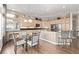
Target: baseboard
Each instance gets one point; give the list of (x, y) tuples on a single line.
[(55, 43), (49, 41)]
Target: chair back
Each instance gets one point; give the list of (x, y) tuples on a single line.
[(35, 38), (65, 34), (71, 34), (14, 37), (23, 35)]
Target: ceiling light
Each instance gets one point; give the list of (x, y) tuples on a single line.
[(23, 16), (30, 20), (10, 15), (63, 6), (13, 9), (0, 4), (25, 20)]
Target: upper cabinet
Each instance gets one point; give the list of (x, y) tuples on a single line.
[(11, 24)]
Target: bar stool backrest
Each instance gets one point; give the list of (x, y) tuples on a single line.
[(64, 34)]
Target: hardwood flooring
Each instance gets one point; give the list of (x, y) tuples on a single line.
[(44, 48)]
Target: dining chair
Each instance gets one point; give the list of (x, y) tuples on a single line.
[(19, 40), (65, 39), (33, 42)]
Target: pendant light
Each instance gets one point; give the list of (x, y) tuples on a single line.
[(30, 20)]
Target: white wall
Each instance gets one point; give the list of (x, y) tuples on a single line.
[(1, 27)]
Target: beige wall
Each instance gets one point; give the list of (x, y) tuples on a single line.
[(27, 24)]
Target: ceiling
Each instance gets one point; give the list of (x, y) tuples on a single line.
[(45, 10)]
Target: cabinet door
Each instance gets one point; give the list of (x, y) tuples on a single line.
[(42, 35)]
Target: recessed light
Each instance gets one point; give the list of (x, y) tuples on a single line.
[(0, 4), (25, 20), (13, 9), (23, 16), (63, 6), (30, 20)]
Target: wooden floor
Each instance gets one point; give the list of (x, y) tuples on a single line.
[(44, 48)]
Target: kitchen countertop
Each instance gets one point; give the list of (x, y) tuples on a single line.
[(33, 28)]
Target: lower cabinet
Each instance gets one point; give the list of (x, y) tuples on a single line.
[(49, 36)]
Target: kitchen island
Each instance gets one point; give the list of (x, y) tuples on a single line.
[(49, 36)]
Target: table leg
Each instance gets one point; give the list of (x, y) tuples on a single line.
[(26, 44)]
